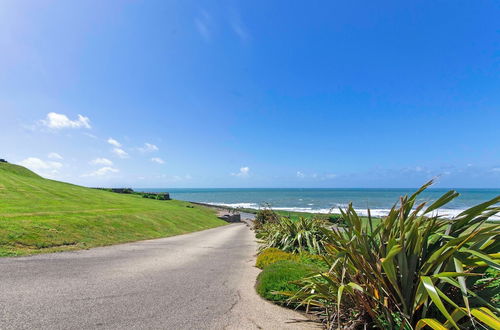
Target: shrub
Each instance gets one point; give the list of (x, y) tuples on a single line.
[(313, 260), (277, 277), (272, 255), (488, 287), (336, 219), (400, 272), (265, 216), (302, 235)]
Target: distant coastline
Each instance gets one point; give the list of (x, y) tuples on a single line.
[(321, 200)]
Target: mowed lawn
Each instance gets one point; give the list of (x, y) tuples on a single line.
[(39, 215)]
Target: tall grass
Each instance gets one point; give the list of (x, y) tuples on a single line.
[(399, 273)]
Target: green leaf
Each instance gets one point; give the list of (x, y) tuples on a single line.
[(454, 274), (433, 294), (486, 258), (433, 323), (461, 280), (484, 315), (457, 314), (339, 300), (388, 265), (446, 198)]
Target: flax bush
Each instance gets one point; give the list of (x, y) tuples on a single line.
[(400, 272)]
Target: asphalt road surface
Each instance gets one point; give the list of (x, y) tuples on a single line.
[(202, 280)]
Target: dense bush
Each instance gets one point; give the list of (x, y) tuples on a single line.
[(265, 216), (487, 286), (295, 236), (400, 272), (272, 255), (277, 277), (158, 196), (336, 219)]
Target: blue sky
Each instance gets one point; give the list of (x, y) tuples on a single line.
[(252, 93)]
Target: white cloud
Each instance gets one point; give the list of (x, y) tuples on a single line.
[(103, 171), (101, 161), (59, 120), (44, 168), (300, 174), (120, 153), (148, 147), (244, 172), (90, 135), (38, 164), (495, 169), (157, 160), (114, 142), (54, 155), (330, 176)]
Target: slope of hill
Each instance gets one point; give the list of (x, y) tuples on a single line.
[(40, 215)]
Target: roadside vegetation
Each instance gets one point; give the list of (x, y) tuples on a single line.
[(409, 270), (39, 215)]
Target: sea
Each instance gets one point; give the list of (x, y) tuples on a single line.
[(319, 200)]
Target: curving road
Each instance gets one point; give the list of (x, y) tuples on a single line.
[(202, 280)]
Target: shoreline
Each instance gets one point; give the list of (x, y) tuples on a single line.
[(376, 212)]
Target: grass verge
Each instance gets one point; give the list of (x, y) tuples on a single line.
[(38, 215), (279, 277)]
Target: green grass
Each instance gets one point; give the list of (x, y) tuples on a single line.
[(278, 277), (39, 215)]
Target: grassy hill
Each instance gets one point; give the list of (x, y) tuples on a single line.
[(39, 215)]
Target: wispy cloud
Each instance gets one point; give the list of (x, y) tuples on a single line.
[(114, 142), (54, 155), (90, 135), (239, 27), (148, 147), (157, 160), (60, 121), (120, 153), (244, 172), (328, 176), (101, 161), (103, 171), (204, 24)]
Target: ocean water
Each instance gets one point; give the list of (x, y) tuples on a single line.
[(326, 200)]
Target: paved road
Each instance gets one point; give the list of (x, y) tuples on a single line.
[(202, 280)]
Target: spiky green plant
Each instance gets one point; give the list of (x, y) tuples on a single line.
[(397, 274), (265, 215), (295, 236)]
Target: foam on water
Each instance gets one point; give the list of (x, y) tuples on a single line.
[(447, 213)]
